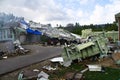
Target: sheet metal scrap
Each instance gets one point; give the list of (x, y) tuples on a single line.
[(94, 67), (43, 76)]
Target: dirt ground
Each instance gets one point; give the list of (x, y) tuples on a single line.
[(14, 75), (34, 49), (106, 62)]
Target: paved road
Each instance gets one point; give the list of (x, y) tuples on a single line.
[(38, 54)]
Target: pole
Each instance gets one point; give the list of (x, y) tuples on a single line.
[(119, 28)]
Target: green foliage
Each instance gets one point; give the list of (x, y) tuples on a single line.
[(77, 28)]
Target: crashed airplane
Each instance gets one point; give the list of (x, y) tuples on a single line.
[(94, 45)]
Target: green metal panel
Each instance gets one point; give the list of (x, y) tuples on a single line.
[(84, 53), (83, 46), (112, 34), (86, 33)]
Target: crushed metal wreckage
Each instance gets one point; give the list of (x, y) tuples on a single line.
[(19, 49), (29, 75), (48, 67), (17, 28), (95, 46), (10, 48), (90, 45)]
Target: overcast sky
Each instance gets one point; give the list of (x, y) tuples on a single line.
[(63, 11)]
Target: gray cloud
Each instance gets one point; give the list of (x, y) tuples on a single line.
[(56, 12)]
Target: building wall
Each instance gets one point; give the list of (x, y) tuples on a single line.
[(6, 34), (22, 39), (7, 46), (32, 38)]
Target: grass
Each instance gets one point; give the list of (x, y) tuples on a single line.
[(109, 74), (63, 70)]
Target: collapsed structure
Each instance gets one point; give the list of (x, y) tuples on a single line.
[(94, 45), (17, 28)]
